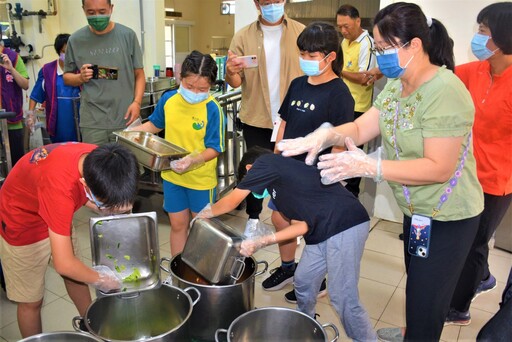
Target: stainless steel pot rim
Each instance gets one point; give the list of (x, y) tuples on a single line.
[(189, 283), (176, 328), (60, 333)]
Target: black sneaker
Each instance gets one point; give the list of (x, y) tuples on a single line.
[(455, 317), (278, 279), (291, 298)]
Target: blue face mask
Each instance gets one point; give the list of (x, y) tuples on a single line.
[(389, 64), (191, 97), (262, 196), (273, 12), (312, 67), (479, 47)]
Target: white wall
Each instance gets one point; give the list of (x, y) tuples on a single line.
[(459, 17), (246, 13)]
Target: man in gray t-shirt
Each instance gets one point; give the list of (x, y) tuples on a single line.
[(106, 60)]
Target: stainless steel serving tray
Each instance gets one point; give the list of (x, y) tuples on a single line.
[(128, 245), (212, 251), (159, 83), (150, 150)]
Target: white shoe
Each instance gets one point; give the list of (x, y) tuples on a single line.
[(250, 227)]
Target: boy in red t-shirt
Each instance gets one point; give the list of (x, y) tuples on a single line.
[(37, 202)]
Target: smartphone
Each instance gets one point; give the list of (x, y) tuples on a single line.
[(419, 237), (106, 73), (249, 61)]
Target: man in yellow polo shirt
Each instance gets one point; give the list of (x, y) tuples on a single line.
[(357, 48)]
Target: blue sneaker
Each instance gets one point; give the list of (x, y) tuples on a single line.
[(455, 317), (485, 286)]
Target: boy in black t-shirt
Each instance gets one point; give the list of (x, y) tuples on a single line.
[(333, 222)]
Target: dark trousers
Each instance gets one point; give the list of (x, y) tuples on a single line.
[(16, 144), (353, 183), (255, 136), (431, 281), (476, 268), (499, 329)]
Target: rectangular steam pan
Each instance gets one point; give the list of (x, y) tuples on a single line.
[(128, 245)]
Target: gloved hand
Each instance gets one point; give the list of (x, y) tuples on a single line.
[(206, 212), (191, 162), (107, 281), (134, 125), (313, 143), (349, 164), (30, 120), (252, 245)]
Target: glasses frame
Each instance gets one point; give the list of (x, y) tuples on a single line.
[(381, 51), (269, 2)]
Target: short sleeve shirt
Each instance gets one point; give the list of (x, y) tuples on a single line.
[(104, 101), (306, 106), (195, 127), (441, 107), (42, 192), (298, 193)]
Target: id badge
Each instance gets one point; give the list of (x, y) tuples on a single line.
[(419, 236)]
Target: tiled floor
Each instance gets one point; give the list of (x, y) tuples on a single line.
[(382, 283)]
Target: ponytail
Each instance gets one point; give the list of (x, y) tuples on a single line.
[(405, 21), (441, 52)]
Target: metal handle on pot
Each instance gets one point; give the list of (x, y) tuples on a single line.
[(264, 270), (219, 331), (240, 269), (162, 267), (191, 288), (333, 327), (76, 324)]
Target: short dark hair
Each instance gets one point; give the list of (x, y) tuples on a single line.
[(111, 171), (322, 37), (108, 2), (405, 21), (348, 10), (498, 18), (197, 63), (249, 158), (60, 41)]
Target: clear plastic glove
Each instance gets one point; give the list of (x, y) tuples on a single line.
[(349, 164), (134, 125), (191, 162), (108, 280), (252, 245), (206, 212), (30, 121), (313, 143)]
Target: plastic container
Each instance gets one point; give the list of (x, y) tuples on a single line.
[(169, 72), (156, 68)]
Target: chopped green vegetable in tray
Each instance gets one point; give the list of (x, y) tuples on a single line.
[(127, 257), (109, 256), (134, 276)]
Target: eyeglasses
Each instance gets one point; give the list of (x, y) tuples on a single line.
[(266, 3), (380, 51)]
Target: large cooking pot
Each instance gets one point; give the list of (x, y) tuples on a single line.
[(276, 324), (220, 304), (68, 336), (155, 315)]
